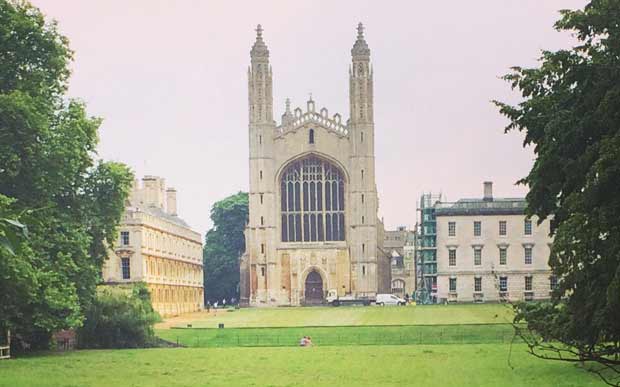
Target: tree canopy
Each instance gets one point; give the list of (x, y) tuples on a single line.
[(224, 244), (69, 201), (570, 114)]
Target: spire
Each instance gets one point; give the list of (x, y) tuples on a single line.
[(287, 117), (260, 48), (360, 48)]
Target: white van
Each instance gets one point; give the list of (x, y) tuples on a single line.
[(389, 299)]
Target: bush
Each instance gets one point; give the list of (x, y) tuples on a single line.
[(119, 317)]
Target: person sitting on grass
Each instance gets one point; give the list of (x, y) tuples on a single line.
[(304, 341), (309, 342)]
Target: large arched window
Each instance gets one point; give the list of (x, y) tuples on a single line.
[(312, 201)]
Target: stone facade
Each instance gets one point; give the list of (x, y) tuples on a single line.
[(495, 254), (157, 247), (400, 244), (313, 204)]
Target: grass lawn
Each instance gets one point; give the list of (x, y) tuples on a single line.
[(440, 365), (339, 316)]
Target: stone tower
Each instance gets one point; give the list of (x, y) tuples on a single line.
[(363, 190), (313, 225), (261, 222)]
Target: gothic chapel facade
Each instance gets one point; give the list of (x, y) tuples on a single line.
[(313, 224)]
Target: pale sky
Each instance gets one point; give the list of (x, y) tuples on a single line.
[(170, 80)]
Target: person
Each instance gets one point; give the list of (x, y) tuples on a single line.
[(223, 303), (304, 341), (309, 341), (208, 306), (407, 298), (215, 305)]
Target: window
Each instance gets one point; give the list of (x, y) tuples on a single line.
[(311, 136), (451, 229), (528, 283), (262, 271), (503, 284), (125, 238), (262, 221), (363, 270), (527, 227), (503, 254), (553, 282), (261, 175), (262, 248), (362, 219), (502, 227), (362, 174), (477, 284), (261, 198), (528, 255), (362, 198), (126, 268), (452, 257), (260, 139), (477, 257), (398, 286), (477, 228), (361, 136), (452, 285), (363, 248), (398, 261), (312, 201)]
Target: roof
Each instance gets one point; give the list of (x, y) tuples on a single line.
[(158, 212), (495, 206)]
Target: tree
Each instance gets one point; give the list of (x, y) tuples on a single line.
[(570, 113), (224, 244), (48, 172), (119, 318)]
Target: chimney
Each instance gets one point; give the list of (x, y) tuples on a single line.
[(171, 201), (488, 191)]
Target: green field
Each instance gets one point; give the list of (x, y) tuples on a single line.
[(340, 316), (456, 345), (441, 365)]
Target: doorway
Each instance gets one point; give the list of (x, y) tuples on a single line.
[(314, 288)]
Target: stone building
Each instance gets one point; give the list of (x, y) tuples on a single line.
[(400, 245), (157, 247), (488, 250), (313, 223)]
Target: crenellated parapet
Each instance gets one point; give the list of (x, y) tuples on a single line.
[(298, 118)]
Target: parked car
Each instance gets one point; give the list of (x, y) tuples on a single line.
[(390, 299)]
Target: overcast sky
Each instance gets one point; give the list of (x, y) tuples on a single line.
[(170, 80)]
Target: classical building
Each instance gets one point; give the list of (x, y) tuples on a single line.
[(488, 250), (313, 223), (400, 245), (157, 247)]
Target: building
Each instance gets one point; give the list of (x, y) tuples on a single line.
[(488, 250), (313, 223), (400, 244), (426, 250), (157, 247)]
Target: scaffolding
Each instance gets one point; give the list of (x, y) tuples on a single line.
[(426, 250)]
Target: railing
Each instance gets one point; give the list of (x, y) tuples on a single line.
[(5, 350), (339, 335)]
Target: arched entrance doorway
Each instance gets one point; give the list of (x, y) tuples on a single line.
[(314, 288)]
